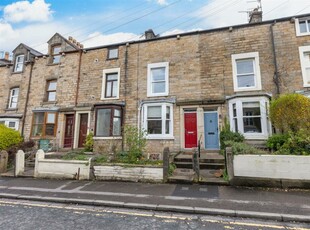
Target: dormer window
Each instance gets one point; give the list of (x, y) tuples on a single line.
[(56, 54), (19, 63)]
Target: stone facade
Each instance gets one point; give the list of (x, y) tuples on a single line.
[(203, 84)]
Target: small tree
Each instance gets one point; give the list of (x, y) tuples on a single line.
[(8, 137), (135, 142), (89, 142), (290, 112)]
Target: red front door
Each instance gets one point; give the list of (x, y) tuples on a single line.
[(83, 129), (190, 125), (68, 141)]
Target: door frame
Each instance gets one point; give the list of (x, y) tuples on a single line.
[(65, 126), (77, 126), (183, 129), (204, 131)]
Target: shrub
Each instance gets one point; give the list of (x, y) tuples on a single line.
[(227, 135), (89, 142), (276, 141), (290, 112), (8, 137), (243, 148), (296, 144), (135, 143)]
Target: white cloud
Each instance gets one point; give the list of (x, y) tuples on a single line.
[(221, 13), (178, 31), (7, 33), (37, 11), (162, 2), (10, 37), (99, 39)]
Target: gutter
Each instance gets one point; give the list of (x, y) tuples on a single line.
[(276, 72)]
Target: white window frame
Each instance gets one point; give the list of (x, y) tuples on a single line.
[(19, 63), (163, 115), (257, 74), (265, 123), (149, 78), (302, 50), (297, 26), (105, 73), (12, 97), (8, 120)]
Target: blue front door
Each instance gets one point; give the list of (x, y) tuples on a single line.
[(211, 130)]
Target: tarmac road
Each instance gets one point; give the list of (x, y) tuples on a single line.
[(16, 214)]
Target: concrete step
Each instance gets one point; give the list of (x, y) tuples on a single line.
[(186, 165), (182, 176), (219, 161), (212, 166)]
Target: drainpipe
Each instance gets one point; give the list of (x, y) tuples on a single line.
[(27, 97), (77, 91), (276, 73), (125, 92)]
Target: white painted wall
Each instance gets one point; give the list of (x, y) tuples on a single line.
[(61, 169), (272, 166), (116, 172), (19, 163)]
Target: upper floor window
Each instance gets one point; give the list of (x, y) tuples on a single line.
[(158, 79), (246, 71), (158, 120), (56, 54), (44, 124), (302, 26), (51, 90), (108, 121), (113, 53), (110, 84), (13, 98), (304, 55), (19, 63)]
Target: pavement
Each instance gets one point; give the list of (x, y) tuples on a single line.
[(273, 204)]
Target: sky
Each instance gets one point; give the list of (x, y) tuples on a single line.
[(103, 22)]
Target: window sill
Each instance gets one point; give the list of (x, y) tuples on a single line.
[(111, 59), (52, 64), (49, 102), (248, 89), (159, 137), (109, 98), (107, 138), (302, 34), (258, 136), (11, 109), (17, 72)]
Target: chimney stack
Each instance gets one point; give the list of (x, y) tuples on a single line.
[(7, 56), (256, 16), (149, 34)]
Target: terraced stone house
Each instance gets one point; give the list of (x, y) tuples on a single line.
[(178, 88)]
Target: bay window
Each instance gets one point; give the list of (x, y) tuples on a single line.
[(108, 121), (44, 124), (158, 120), (249, 116)]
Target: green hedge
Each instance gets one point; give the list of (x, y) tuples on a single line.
[(8, 137)]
